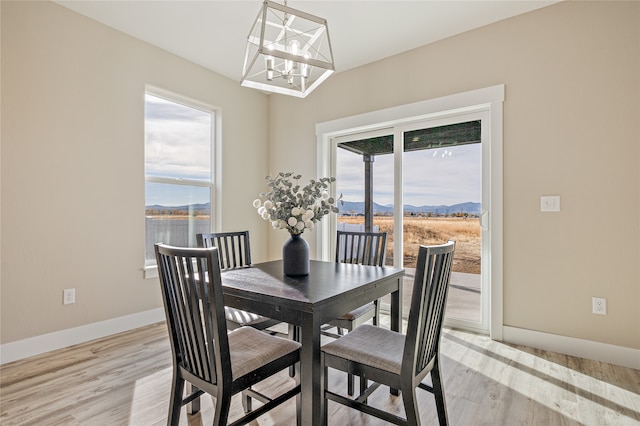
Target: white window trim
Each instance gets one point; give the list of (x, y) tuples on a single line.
[(491, 98), (151, 271)]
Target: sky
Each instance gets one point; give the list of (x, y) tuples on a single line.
[(430, 177), (178, 145)]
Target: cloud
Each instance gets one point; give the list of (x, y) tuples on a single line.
[(428, 177), (177, 140)]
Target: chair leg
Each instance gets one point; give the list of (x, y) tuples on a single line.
[(438, 393), (376, 316), (294, 334), (411, 407), (349, 376), (325, 401), (246, 402), (223, 404), (364, 383), (175, 403), (194, 406)]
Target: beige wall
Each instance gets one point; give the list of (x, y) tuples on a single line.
[(571, 127), (72, 147), (73, 165)]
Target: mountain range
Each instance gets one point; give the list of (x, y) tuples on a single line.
[(199, 207), (355, 207), (358, 208)]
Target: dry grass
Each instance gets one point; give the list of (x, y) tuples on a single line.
[(421, 231), (427, 231)]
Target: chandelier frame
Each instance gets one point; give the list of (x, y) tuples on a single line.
[(288, 51)]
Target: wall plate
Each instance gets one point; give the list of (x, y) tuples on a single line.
[(550, 203)]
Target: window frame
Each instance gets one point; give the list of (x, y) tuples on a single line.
[(151, 270)]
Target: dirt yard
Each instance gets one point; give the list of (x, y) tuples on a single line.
[(425, 231)]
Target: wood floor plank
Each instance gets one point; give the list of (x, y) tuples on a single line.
[(125, 380)]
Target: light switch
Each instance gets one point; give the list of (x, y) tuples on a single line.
[(550, 203)]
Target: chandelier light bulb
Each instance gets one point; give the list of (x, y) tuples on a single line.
[(304, 69), (294, 47)]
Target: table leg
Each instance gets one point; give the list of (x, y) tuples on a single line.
[(311, 377)]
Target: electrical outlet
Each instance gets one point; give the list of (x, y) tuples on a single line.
[(599, 305), (69, 296), (550, 203)]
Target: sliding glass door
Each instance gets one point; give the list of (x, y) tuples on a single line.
[(422, 183)]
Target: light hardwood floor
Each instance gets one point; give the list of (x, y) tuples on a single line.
[(125, 380)]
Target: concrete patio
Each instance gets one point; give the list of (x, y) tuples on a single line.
[(463, 300)]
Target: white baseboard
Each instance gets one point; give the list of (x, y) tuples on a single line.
[(9, 352), (61, 339), (612, 354)]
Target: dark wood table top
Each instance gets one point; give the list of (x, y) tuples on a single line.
[(331, 289), (326, 283)]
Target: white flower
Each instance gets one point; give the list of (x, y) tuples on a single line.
[(291, 206)]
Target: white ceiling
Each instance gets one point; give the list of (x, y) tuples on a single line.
[(213, 33)]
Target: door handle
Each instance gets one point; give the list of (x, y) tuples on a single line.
[(484, 220)]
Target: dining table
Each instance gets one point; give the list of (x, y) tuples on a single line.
[(307, 302)]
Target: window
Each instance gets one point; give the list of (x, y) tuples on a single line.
[(179, 183)]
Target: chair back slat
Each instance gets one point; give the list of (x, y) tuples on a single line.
[(428, 303), (364, 248), (193, 301), (234, 248)]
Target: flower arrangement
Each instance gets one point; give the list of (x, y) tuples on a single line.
[(292, 207)]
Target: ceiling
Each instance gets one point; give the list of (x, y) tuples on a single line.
[(213, 33)]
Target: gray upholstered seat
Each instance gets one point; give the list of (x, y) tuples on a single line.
[(390, 358), (249, 347), (357, 313), (371, 345)]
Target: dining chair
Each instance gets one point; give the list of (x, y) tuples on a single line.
[(394, 359), (204, 353), (362, 248), (234, 251)]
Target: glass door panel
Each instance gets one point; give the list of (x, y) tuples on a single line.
[(436, 181), (366, 165), (442, 201), (442, 192)]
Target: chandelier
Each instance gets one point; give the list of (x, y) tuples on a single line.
[(288, 51)]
